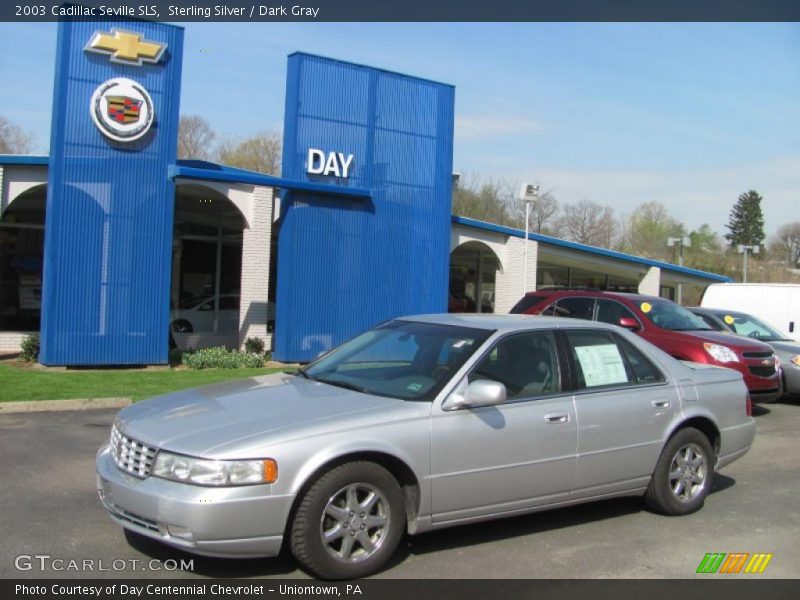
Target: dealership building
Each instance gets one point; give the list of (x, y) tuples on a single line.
[(111, 241)]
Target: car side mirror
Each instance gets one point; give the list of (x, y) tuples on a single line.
[(483, 392), (629, 323)]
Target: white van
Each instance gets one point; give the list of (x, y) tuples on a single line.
[(776, 303)]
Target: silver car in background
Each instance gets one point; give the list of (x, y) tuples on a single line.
[(418, 424), (786, 349)]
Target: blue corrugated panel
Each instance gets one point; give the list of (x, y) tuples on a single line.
[(345, 265), (109, 210)]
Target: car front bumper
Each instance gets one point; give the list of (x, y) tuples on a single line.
[(231, 522), (791, 380)]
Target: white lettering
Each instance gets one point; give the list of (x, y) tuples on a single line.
[(345, 162), (316, 161), (336, 164)]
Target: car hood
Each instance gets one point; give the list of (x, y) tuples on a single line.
[(741, 344), (214, 420), (786, 348)]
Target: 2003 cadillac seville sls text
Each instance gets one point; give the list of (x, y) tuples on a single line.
[(418, 424)]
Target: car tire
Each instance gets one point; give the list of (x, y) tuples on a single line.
[(331, 538), (182, 326), (683, 475)]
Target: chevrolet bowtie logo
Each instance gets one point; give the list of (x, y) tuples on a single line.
[(126, 47)]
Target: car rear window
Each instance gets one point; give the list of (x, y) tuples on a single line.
[(526, 303)]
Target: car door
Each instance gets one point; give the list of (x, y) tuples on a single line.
[(624, 407), (516, 455)]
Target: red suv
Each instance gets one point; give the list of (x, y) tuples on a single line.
[(668, 326)]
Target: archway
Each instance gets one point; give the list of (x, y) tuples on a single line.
[(21, 260), (206, 268), (473, 272)]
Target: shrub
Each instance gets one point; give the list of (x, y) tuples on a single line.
[(254, 345), (176, 357), (222, 358), (30, 348)]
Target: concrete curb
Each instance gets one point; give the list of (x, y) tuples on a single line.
[(29, 406)]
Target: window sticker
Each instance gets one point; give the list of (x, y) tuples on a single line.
[(414, 387), (729, 319), (601, 365), (646, 307)]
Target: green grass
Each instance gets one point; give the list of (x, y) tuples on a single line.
[(21, 382)]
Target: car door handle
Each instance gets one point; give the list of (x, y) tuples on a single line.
[(660, 403), (555, 418)]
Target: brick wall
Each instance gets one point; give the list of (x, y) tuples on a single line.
[(651, 282), (256, 252), (509, 284)]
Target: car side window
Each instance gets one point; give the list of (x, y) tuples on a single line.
[(574, 308), (526, 363), (598, 360), (643, 368), (611, 311), (710, 322)]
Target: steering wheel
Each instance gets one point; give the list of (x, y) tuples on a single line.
[(754, 334)]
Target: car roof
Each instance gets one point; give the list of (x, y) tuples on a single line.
[(631, 297), (505, 323)]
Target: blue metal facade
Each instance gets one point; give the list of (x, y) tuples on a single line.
[(345, 264), (108, 246)]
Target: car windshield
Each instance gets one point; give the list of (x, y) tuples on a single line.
[(749, 326), (399, 359), (668, 315)]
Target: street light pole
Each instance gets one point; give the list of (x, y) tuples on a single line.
[(744, 250), (530, 193), (681, 243)]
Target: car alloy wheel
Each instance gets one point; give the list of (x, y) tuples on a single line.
[(683, 475), (354, 523), (687, 475), (349, 522)]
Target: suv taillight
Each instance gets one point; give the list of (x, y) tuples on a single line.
[(749, 406)]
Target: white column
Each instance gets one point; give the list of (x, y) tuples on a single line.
[(651, 282), (2, 193), (255, 268), (508, 284)]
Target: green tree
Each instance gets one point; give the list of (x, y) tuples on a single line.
[(647, 230), (746, 221), (261, 152)]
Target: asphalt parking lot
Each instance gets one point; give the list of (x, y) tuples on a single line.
[(48, 506)]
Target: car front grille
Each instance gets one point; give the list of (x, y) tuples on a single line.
[(759, 371), (757, 354), (130, 455)]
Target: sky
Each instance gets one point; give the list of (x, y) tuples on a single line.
[(687, 114)]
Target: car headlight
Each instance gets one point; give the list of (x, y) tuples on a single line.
[(721, 353), (795, 360), (201, 471)]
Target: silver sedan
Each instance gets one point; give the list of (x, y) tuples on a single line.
[(418, 424)]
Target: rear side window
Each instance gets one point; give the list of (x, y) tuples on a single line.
[(598, 360), (526, 303), (602, 359), (643, 369), (573, 308)]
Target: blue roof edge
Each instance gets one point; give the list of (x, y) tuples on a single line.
[(590, 249), (24, 159)]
